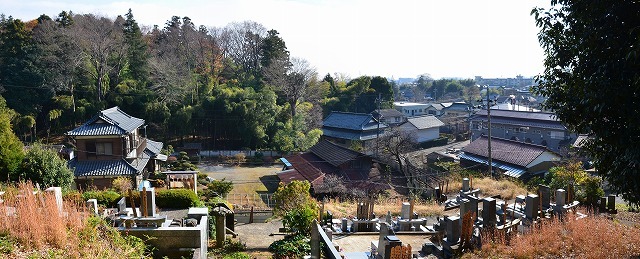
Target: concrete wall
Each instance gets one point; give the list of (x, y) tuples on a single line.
[(169, 240)]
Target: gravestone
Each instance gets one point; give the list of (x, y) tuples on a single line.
[(545, 196), (344, 225), (385, 229), (92, 204), (406, 210), (151, 201), (560, 195), (489, 211), (122, 206), (57, 193), (603, 204), (611, 203), (473, 204), (465, 184), (453, 229), (465, 206), (531, 207)]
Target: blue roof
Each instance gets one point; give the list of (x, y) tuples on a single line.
[(351, 121), (286, 162), (510, 170), (83, 168), (112, 121), (350, 134), (101, 168), (154, 146)]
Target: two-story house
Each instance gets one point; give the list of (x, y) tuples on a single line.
[(348, 129), (411, 109), (539, 128), (110, 145)]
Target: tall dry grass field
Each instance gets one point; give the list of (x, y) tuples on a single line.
[(38, 229), (591, 237), (349, 208), (489, 187)]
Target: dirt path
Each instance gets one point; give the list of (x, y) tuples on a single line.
[(251, 185)]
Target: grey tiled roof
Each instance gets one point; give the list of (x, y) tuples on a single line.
[(112, 121), (388, 113), (509, 151), (350, 134), (352, 121), (425, 122), (102, 168), (542, 116), (154, 146), (109, 167), (334, 154)]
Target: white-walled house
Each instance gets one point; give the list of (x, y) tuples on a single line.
[(424, 128), (412, 109)]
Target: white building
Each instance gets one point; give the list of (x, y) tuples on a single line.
[(411, 109), (424, 128)]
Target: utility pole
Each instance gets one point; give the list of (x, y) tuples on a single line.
[(378, 100), (489, 131)]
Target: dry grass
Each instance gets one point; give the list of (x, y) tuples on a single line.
[(489, 187), (591, 237), (346, 209), (38, 229)]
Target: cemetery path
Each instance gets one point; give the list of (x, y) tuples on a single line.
[(258, 236)]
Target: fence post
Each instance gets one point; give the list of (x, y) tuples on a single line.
[(251, 215), (315, 240)]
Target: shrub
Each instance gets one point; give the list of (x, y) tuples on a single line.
[(236, 255), (106, 198), (293, 246), (176, 198), (220, 187), (240, 157), (122, 184), (300, 220)]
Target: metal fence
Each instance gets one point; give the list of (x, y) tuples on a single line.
[(248, 200)]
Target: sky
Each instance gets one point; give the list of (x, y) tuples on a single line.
[(394, 39)]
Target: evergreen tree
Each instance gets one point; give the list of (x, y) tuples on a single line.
[(10, 146)]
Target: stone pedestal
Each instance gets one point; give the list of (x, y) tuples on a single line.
[(453, 229), (489, 212), (545, 196), (532, 206), (611, 202), (465, 184)]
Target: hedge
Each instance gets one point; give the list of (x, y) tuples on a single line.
[(176, 199), (434, 143), (106, 198)]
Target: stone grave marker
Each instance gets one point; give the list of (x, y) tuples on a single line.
[(92, 204), (465, 184), (545, 196), (611, 202), (453, 229), (531, 206), (406, 210), (57, 192), (560, 195), (489, 211)]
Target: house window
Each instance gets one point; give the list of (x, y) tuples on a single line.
[(397, 119), (104, 148), (432, 112)]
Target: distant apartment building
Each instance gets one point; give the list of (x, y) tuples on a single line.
[(518, 81), (538, 128)]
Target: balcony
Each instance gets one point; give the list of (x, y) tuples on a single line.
[(137, 148)]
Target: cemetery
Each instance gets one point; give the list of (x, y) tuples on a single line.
[(471, 218)]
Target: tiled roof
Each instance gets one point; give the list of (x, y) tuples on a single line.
[(101, 168), (425, 122), (508, 151), (352, 121), (154, 146), (350, 134), (458, 106), (541, 116), (334, 154), (109, 167), (112, 121), (388, 113)]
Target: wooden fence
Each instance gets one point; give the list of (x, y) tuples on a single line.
[(248, 200)]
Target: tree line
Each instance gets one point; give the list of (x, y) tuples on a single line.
[(229, 87)]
